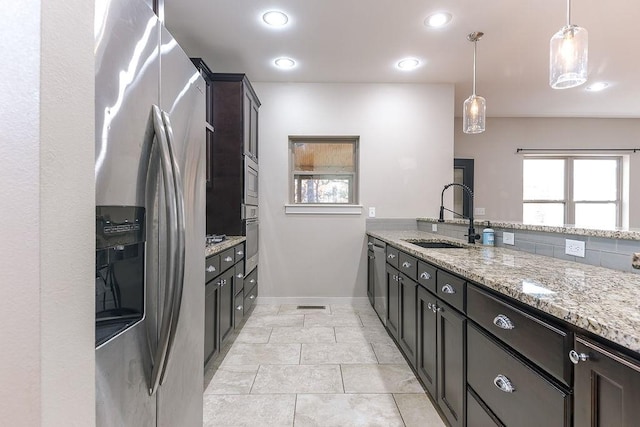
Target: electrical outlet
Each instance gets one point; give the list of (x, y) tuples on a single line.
[(478, 211), (574, 247), (434, 228), (508, 238), (372, 212)]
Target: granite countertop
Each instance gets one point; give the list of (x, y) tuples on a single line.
[(603, 301), (625, 234), (229, 242)]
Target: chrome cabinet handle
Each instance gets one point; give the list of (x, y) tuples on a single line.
[(448, 289), (252, 281), (400, 279), (252, 297), (406, 264), (211, 269), (239, 308), (425, 275), (391, 256), (240, 275), (371, 257), (429, 306), (370, 244), (504, 384), (228, 259), (240, 253), (576, 357), (435, 308), (503, 322)]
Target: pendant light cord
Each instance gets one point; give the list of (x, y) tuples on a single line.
[(568, 13), (475, 43)]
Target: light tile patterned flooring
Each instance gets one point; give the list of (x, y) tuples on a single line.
[(309, 367)]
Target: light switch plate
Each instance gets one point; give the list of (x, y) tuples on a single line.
[(372, 212), (574, 247), (434, 227), (508, 238)]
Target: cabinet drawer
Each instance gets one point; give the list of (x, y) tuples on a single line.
[(533, 401), (477, 416), (451, 289), (250, 298), (408, 265), (238, 278), (238, 252), (212, 267), (427, 276), (238, 309), (538, 341), (392, 256), (250, 281), (227, 259)]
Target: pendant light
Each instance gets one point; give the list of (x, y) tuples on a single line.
[(473, 115), (568, 55)]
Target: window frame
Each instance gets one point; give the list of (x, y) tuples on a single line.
[(352, 176), (567, 201)]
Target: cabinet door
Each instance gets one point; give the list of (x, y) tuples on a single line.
[(371, 276), (226, 304), (607, 388), (427, 348), (253, 138), (211, 344), (407, 332), (451, 364), (246, 121), (393, 301)]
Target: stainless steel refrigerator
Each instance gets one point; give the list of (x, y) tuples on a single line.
[(150, 222)]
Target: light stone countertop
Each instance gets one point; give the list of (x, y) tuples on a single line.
[(229, 242), (603, 301), (625, 234)]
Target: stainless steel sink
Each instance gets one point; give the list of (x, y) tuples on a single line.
[(435, 245)]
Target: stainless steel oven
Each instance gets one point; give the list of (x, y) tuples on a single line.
[(250, 182)]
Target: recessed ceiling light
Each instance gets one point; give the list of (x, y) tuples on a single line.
[(285, 63), (438, 19), (597, 87), (275, 18), (408, 64)]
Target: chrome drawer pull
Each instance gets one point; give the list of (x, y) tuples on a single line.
[(504, 384), (371, 257), (240, 275), (503, 322), (406, 264), (425, 276), (576, 357), (240, 253), (391, 256), (429, 306), (228, 259), (239, 308), (370, 244), (448, 289), (252, 296), (252, 281), (211, 269)]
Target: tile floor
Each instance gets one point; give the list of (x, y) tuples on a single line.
[(331, 367)]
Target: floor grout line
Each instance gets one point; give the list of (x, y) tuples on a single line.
[(254, 379), (399, 411)]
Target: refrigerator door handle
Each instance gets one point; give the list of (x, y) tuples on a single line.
[(178, 278), (166, 165)]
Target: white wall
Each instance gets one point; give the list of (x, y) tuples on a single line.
[(47, 213), (498, 169), (406, 157)]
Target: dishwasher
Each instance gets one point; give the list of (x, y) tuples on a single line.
[(380, 280)]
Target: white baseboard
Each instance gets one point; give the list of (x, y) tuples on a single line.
[(312, 300)]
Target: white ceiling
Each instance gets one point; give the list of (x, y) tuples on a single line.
[(362, 40)]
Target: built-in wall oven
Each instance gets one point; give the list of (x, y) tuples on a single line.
[(250, 182), (251, 226)]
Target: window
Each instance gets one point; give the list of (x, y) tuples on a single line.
[(585, 191), (324, 170)]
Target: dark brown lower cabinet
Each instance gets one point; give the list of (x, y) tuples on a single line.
[(226, 304), (606, 388), (393, 301), (426, 363), (407, 334), (477, 415), (451, 380), (211, 333)]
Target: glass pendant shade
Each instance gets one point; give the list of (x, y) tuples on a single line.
[(473, 114), (568, 58)]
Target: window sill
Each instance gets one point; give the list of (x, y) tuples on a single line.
[(309, 209)]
